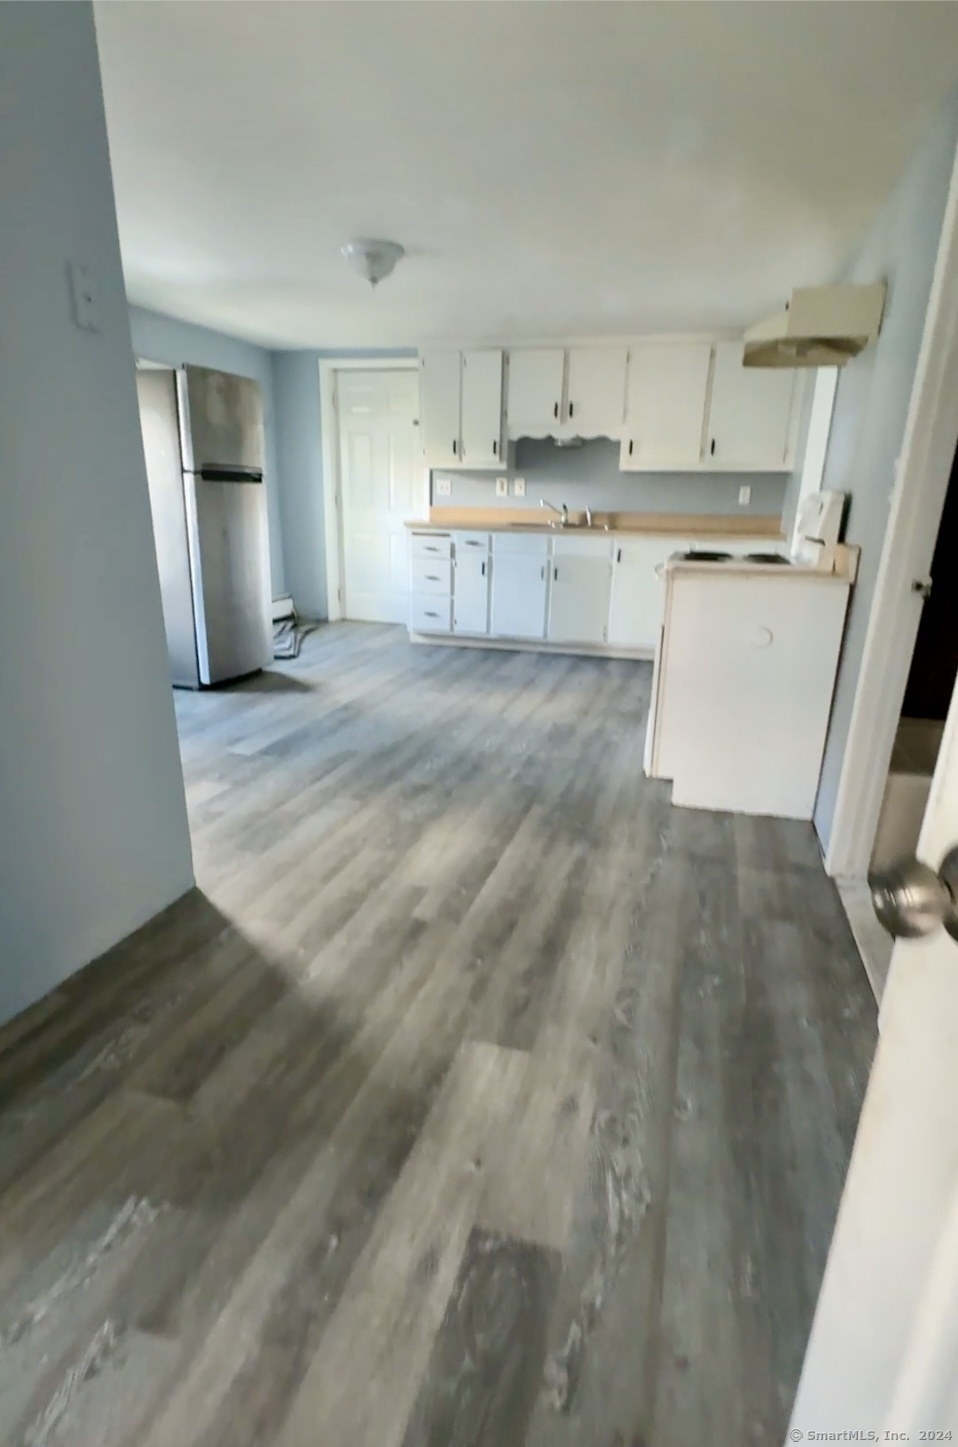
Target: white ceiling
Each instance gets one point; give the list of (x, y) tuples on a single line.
[(552, 169)]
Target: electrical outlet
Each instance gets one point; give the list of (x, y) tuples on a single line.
[(443, 486), (502, 487), (519, 486), (744, 496)]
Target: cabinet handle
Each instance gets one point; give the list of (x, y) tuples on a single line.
[(542, 572), (631, 444), (495, 448), (431, 615), (712, 448), (483, 570), (555, 575), (618, 556), (570, 411), (432, 577), (555, 410), (454, 447)]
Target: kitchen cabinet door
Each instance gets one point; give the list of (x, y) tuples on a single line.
[(665, 406), (534, 393), (750, 415), (519, 586), (635, 612), (595, 391), (470, 604), (579, 600), (439, 407), (481, 409)]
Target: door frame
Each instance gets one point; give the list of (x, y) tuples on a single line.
[(918, 496), (332, 481)]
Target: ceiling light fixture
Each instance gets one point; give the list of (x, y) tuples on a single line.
[(374, 260)]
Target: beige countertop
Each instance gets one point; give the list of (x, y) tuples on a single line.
[(685, 525)]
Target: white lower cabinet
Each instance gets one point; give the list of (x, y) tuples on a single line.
[(470, 606), (579, 590), (635, 612), (520, 574), (430, 615)]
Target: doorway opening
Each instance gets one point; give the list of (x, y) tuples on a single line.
[(932, 675)]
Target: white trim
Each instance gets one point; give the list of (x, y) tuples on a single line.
[(329, 432), (924, 466), (816, 444)]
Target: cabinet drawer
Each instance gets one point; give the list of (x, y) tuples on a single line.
[(536, 545), (431, 545), (430, 615), (565, 545), (431, 575), (471, 542)]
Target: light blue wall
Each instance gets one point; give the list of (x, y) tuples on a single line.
[(589, 476), (93, 828), (872, 401), (165, 339), (300, 454)]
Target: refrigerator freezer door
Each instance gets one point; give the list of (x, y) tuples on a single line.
[(221, 420), (161, 446), (229, 552)]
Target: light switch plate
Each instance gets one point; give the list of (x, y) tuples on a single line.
[(519, 486), (86, 310), (443, 486), (502, 487), (744, 496)]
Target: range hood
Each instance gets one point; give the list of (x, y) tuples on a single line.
[(822, 326)]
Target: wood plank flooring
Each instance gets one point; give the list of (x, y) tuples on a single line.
[(476, 1097)]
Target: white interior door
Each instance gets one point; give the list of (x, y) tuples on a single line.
[(883, 1353), (382, 486)]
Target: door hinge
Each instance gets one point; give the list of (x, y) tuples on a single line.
[(922, 586)]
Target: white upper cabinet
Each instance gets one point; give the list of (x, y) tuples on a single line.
[(440, 389), (536, 391), (665, 406), (750, 416), (460, 408), (595, 391), (481, 409)]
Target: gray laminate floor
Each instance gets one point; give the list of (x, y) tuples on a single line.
[(475, 1097)]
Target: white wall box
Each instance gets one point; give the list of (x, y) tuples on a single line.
[(460, 408), (535, 392), (595, 391), (750, 414), (665, 406)]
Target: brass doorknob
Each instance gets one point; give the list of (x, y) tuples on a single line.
[(911, 900)]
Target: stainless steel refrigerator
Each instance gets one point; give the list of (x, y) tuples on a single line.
[(203, 441)]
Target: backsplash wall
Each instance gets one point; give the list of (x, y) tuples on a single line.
[(589, 476)]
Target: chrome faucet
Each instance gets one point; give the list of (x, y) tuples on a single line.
[(561, 513)]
